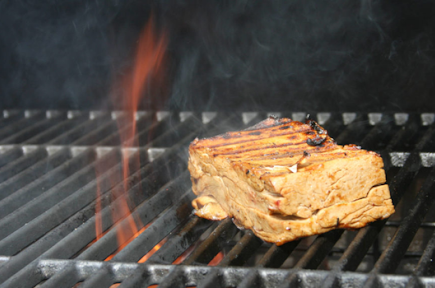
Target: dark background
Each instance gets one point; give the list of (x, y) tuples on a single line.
[(239, 55)]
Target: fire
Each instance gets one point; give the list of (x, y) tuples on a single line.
[(152, 251), (147, 67), (126, 242), (217, 259), (184, 255)]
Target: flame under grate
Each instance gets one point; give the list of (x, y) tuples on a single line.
[(48, 184)]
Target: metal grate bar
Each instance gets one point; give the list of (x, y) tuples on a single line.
[(146, 212), (213, 280), (401, 140), (17, 199), (86, 231), (241, 252), (148, 238), (9, 116), (354, 131), (101, 280), (230, 276), (50, 198), (323, 244), (80, 130), (379, 128), (32, 130), (10, 154), (33, 173), (174, 279), (176, 251), (62, 279), (57, 130), (172, 228), (21, 163), (253, 279), (367, 235), (397, 188), (425, 265), (94, 252), (178, 242), (209, 247), (334, 123), (102, 131), (391, 256), (143, 123), (67, 244), (276, 255), (141, 278), (380, 133), (175, 134), (29, 119), (319, 250), (237, 256)]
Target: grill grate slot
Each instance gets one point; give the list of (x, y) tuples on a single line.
[(53, 162)]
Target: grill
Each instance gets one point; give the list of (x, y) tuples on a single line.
[(54, 163)]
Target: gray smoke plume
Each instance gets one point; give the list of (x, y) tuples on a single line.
[(239, 55)]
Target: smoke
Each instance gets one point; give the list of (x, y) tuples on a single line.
[(238, 55), (55, 54), (303, 55)]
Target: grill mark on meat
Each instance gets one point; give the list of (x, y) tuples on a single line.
[(274, 150), (262, 157), (252, 138), (287, 217), (250, 160), (241, 151), (267, 143)]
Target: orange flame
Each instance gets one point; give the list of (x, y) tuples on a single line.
[(127, 242), (148, 63)]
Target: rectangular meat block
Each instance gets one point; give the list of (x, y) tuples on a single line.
[(284, 180)]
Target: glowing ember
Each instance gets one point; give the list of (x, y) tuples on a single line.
[(147, 67), (126, 243), (98, 223), (152, 251), (183, 256), (217, 259)]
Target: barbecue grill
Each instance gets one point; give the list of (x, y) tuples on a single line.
[(54, 163)]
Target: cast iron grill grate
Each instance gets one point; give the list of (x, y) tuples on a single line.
[(52, 163)]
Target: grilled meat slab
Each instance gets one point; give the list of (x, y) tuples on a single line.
[(284, 180)]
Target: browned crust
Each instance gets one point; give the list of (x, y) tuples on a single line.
[(254, 167)]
